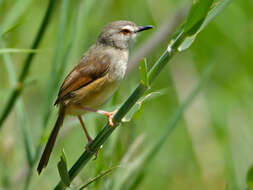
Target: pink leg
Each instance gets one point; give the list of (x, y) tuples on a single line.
[(87, 135), (84, 128), (109, 115)]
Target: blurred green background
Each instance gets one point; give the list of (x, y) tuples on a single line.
[(211, 147)]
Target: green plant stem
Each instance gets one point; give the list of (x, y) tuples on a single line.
[(127, 105), (150, 154), (27, 64), (20, 112), (60, 59)]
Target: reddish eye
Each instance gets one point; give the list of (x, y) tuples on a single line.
[(125, 31)]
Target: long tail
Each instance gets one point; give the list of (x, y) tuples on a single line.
[(51, 141)]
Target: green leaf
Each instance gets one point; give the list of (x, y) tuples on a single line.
[(139, 103), (21, 113), (143, 72), (11, 18), (196, 16), (63, 170), (14, 26), (148, 156), (187, 43), (15, 50), (250, 178), (130, 163), (14, 15), (215, 10), (185, 35), (60, 59), (102, 174)]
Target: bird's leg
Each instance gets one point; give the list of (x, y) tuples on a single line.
[(109, 115), (87, 135), (84, 128)]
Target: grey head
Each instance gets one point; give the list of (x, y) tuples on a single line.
[(120, 34)]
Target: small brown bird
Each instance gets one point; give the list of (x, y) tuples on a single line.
[(94, 79)]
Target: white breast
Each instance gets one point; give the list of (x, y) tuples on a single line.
[(118, 65)]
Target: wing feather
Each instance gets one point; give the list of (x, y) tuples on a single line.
[(87, 71)]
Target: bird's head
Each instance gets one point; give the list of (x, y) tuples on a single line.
[(120, 34)]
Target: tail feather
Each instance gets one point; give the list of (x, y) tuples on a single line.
[(51, 141)]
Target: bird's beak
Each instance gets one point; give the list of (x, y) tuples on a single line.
[(142, 28)]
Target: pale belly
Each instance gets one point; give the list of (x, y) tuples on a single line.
[(92, 96)]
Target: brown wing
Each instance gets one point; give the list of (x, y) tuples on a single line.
[(87, 70)]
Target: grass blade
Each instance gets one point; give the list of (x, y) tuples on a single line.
[(249, 179), (215, 10), (6, 31), (14, 50), (13, 15), (22, 119), (59, 61), (63, 170), (20, 110), (102, 174), (147, 157), (128, 163), (16, 92), (128, 117), (196, 16)]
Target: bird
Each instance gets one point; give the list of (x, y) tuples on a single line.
[(95, 78)]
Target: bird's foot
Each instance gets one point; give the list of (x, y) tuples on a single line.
[(110, 115)]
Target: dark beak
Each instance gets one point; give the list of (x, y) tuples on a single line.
[(142, 28)]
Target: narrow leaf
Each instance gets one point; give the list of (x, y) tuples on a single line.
[(14, 26), (21, 113), (196, 16), (139, 104), (60, 59), (102, 174), (143, 72), (147, 157), (129, 165), (63, 170), (14, 14), (215, 10), (250, 178), (28, 61), (187, 43), (14, 50)]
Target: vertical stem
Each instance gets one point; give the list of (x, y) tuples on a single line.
[(27, 64)]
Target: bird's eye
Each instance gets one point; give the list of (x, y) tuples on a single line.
[(125, 31)]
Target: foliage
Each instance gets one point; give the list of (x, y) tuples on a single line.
[(208, 85)]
